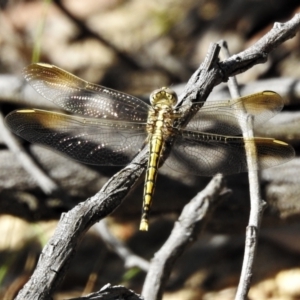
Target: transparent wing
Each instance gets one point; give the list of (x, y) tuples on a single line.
[(81, 97), (223, 117), (91, 141), (207, 154)]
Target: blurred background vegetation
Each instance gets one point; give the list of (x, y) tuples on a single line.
[(137, 46)]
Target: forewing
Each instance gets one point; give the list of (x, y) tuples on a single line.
[(81, 97), (206, 154), (88, 140), (224, 117)]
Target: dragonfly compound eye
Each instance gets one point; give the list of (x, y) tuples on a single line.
[(163, 95)]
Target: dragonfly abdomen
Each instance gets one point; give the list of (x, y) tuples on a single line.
[(156, 146), (159, 128)]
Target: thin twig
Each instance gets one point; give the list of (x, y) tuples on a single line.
[(47, 185), (109, 292), (255, 199), (130, 259), (192, 219), (232, 82)]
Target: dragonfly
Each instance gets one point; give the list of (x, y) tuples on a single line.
[(108, 127)]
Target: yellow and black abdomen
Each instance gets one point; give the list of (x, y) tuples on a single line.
[(156, 144)]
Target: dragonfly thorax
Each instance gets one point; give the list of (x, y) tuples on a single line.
[(163, 96)]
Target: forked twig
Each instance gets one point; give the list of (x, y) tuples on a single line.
[(257, 204)]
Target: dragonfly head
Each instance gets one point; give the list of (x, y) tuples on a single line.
[(163, 95)]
